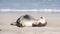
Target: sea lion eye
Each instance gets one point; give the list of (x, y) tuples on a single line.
[(11, 24), (41, 17)]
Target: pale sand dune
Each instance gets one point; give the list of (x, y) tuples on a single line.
[(53, 26)]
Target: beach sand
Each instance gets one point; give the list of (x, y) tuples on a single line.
[(53, 24)]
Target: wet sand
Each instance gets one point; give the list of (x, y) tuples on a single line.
[(53, 25)]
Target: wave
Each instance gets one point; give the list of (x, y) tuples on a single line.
[(30, 10)]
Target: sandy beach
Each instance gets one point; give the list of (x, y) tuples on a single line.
[(53, 25)]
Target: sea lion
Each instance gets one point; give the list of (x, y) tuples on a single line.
[(28, 21)]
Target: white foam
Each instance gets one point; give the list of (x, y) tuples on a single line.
[(40, 10)]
